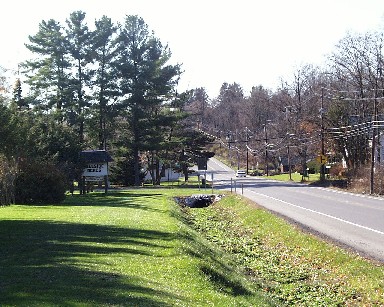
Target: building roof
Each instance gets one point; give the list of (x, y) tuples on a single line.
[(95, 156)]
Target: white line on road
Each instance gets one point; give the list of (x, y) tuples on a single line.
[(320, 213)]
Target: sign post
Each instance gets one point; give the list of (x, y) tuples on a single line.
[(322, 159), (95, 167), (202, 163)]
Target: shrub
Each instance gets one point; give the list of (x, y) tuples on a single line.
[(256, 173), (361, 181), (40, 182), (314, 167), (337, 171)]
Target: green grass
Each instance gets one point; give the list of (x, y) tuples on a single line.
[(293, 267), (129, 248), (296, 177), (138, 248)]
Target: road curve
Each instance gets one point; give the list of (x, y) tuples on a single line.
[(352, 220)]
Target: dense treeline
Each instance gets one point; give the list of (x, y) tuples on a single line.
[(110, 87)]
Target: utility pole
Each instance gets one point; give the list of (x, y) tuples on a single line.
[(322, 165), (229, 137), (246, 142), (289, 135), (289, 156), (374, 129), (266, 148)]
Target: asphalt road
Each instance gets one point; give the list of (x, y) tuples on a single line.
[(350, 220)]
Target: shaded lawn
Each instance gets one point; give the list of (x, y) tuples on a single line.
[(127, 248)]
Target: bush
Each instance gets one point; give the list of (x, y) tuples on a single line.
[(256, 173), (337, 171), (314, 167), (273, 172), (361, 180), (40, 182)]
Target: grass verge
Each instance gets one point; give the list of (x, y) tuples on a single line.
[(293, 267), (296, 177), (128, 248)]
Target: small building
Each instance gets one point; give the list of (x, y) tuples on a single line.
[(167, 174)]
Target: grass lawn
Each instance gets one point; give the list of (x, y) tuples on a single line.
[(296, 177), (139, 248), (129, 248)]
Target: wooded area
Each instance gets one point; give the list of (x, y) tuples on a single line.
[(111, 86), (335, 110)]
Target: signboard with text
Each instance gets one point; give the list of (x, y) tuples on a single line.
[(96, 170)]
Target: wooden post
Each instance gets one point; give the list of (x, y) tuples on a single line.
[(106, 184), (83, 186)]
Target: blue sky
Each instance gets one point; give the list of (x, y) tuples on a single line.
[(250, 42)]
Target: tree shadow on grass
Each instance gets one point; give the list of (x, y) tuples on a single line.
[(39, 264), (222, 282), (219, 266), (114, 199)]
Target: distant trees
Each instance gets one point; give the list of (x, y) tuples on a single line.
[(230, 99), (256, 109), (357, 66), (344, 98), (197, 106)]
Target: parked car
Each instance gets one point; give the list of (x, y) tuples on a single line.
[(241, 173)]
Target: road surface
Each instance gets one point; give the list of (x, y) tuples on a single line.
[(352, 220)]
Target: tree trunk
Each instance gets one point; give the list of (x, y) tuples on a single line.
[(157, 169), (185, 171)]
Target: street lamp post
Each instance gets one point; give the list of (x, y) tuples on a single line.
[(246, 142)]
